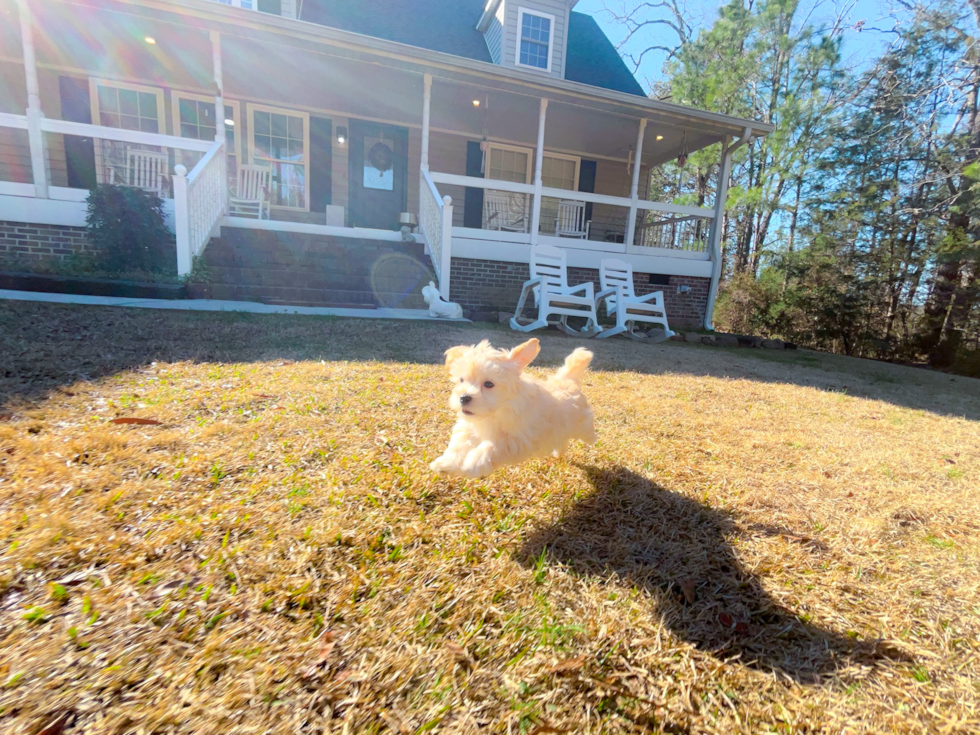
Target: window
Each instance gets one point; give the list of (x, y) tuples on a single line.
[(280, 139), (557, 172), (130, 107), (509, 164), (535, 42), (194, 118)]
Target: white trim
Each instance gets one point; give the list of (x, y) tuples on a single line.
[(469, 243), (521, 12), (67, 208), (253, 107), (101, 132), (270, 225), (236, 115), (478, 183)]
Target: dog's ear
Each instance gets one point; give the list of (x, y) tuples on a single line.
[(454, 353), (525, 353)]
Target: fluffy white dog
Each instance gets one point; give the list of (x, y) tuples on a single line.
[(507, 417)]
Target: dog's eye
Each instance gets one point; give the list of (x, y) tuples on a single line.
[(488, 384), (460, 380)]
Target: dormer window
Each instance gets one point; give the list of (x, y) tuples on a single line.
[(536, 39)]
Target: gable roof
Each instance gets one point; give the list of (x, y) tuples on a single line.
[(449, 26), (592, 59)]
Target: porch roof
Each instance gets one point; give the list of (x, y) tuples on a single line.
[(261, 54)]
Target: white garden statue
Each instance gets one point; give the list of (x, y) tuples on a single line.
[(438, 307)]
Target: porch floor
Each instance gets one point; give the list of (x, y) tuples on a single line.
[(218, 305)]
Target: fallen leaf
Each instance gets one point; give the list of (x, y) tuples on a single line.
[(459, 653), (742, 628), (58, 724), (547, 728), (950, 461), (569, 664), (329, 641), (263, 396), (138, 422), (6, 416), (687, 587), (726, 620)]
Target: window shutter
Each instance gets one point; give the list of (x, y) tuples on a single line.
[(79, 152), (473, 197), (586, 183), (321, 144)]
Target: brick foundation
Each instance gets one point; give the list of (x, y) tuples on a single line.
[(490, 285), (28, 242)]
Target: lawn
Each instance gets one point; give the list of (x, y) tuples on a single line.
[(760, 542)]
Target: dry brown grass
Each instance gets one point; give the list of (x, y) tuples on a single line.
[(759, 543)]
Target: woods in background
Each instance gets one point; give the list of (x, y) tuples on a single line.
[(854, 227)]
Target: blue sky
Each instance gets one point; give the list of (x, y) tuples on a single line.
[(859, 47)]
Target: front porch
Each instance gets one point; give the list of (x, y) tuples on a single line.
[(489, 164)]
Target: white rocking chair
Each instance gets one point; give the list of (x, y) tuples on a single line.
[(616, 281), (144, 170), (504, 211), (251, 197), (571, 221), (554, 297)]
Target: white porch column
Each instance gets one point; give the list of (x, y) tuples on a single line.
[(219, 87), (538, 163), (635, 187), (426, 105), (35, 136), (714, 236), (219, 109)]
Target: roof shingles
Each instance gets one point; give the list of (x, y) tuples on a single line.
[(449, 26)]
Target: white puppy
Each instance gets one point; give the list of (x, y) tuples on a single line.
[(507, 417)]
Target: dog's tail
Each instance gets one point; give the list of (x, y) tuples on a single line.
[(575, 366)]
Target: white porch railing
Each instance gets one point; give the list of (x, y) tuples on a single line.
[(436, 222), (200, 201), (683, 233), (688, 234)]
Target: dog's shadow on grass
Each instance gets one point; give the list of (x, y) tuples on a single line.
[(680, 551)]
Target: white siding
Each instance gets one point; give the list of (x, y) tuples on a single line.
[(494, 36), (512, 34)]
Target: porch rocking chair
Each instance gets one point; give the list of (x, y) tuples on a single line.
[(616, 281), (144, 170), (504, 211), (251, 197), (571, 221), (554, 297)]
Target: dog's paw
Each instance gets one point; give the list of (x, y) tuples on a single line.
[(477, 464), (444, 465)]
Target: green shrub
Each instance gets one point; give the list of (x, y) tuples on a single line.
[(126, 228)]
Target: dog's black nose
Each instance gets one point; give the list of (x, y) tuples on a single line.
[(465, 400)]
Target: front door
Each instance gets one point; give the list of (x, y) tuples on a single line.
[(378, 174)]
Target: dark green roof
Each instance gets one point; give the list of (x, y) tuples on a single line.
[(449, 26)]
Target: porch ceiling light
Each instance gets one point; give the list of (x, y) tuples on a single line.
[(150, 40), (660, 137), (476, 103), (341, 136), (230, 123)]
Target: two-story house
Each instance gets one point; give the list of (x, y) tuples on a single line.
[(496, 124)]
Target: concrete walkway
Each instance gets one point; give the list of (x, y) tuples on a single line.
[(247, 307)]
